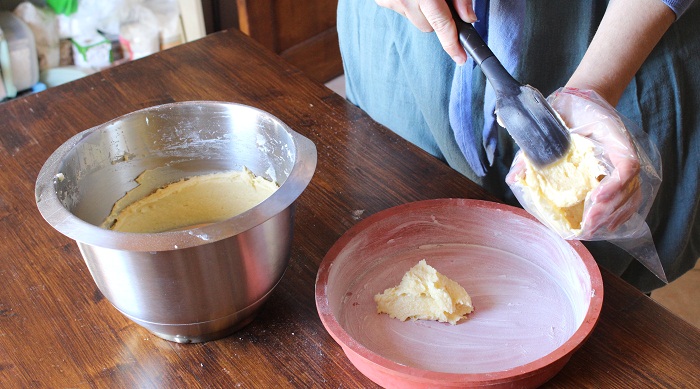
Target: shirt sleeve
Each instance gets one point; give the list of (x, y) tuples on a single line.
[(678, 6)]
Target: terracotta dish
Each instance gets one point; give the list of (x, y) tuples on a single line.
[(536, 296)]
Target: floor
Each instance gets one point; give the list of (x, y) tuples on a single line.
[(681, 296)]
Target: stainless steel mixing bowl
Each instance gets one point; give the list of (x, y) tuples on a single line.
[(189, 285)]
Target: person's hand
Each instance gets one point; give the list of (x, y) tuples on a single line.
[(618, 196), (435, 15)]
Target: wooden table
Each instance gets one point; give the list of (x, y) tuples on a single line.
[(57, 330)]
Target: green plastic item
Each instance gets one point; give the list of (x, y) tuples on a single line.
[(63, 7), (83, 47)]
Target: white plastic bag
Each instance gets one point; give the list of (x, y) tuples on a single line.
[(139, 32), (167, 13), (44, 26), (92, 15), (615, 210)]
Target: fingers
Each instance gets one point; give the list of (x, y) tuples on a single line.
[(440, 18), (612, 203), (435, 15), (410, 9), (621, 181), (465, 10), (626, 210), (609, 217), (516, 169)]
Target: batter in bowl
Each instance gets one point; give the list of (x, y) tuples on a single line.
[(192, 201)]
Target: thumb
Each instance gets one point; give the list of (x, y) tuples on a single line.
[(438, 14)]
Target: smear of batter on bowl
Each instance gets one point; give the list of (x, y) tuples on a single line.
[(192, 201), (425, 294)]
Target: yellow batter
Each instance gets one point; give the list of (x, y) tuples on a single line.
[(192, 201), (425, 294), (559, 190)]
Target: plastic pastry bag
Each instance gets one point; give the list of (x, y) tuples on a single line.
[(603, 189)]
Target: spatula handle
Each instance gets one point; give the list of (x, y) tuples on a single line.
[(472, 41), (476, 48)]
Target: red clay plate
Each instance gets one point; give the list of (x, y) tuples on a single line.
[(536, 296)]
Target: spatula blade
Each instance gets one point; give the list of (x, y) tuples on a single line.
[(535, 126)]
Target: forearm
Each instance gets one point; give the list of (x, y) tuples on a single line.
[(627, 34)]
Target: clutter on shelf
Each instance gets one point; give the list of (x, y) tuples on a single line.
[(44, 43)]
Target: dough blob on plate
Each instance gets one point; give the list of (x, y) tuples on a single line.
[(425, 294)]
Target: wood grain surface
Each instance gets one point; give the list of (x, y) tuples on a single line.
[(57, 330)]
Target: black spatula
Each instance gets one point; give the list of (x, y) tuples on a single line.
[(522, 109)]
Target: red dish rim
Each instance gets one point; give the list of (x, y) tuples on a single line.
[(561, 354)]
